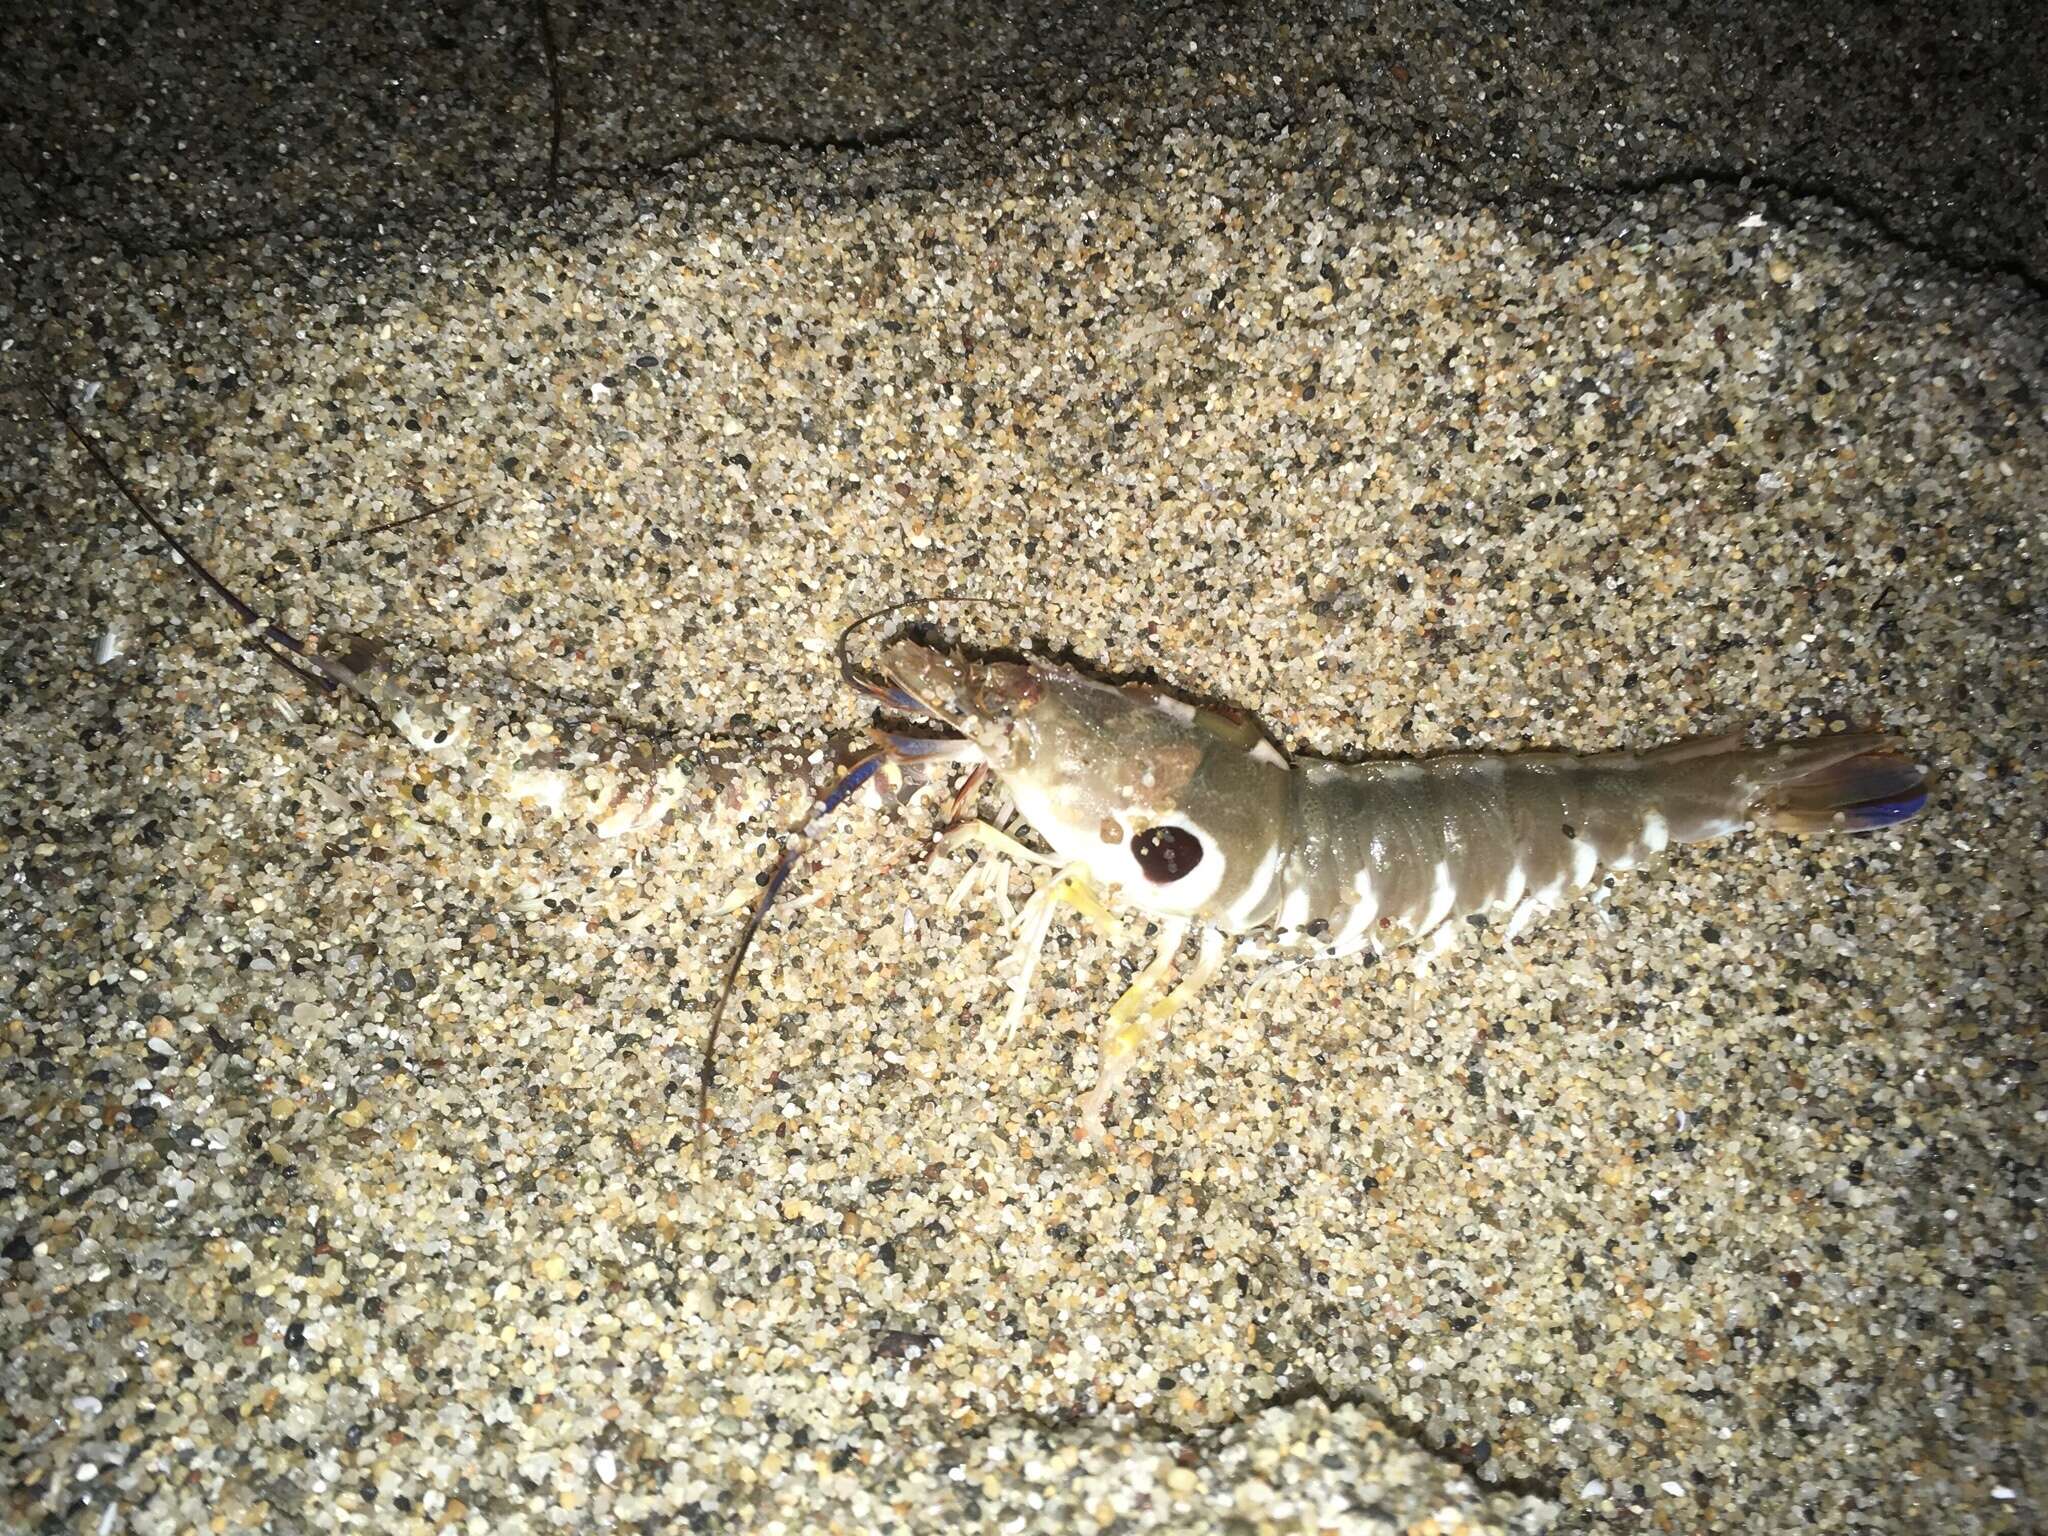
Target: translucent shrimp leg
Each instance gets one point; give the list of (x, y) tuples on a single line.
[(1038, 914), (1126, 1028), (1126, 1032), (1139, 994), (1070, 885), (995, 840)]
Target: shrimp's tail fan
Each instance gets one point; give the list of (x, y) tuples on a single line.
[(1859, 782)]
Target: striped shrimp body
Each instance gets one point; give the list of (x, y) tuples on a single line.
[(1194, 818)]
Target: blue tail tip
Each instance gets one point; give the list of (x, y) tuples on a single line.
[(1875, 814)]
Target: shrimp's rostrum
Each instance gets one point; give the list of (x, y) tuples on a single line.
[(1194, 818)]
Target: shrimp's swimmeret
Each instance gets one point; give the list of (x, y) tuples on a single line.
[(1194, 818)]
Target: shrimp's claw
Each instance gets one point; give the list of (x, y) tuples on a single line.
[(1137, 1016)]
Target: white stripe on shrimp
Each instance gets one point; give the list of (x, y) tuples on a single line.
[(1443, 895), (1656, 832), (1358, 922), (1256, 892)]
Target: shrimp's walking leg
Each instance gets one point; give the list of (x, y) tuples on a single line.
[(1070, 885), (1132, 1007), (1130, 1022), (1127, 1031), (956, 808), (995, 840)]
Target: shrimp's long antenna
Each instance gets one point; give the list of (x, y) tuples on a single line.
[(875, 688), (430, 509), (888, 693), (849, 782), (273, 640)]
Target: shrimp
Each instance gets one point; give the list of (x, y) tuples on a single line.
[(1196, 819), (1185, 813)]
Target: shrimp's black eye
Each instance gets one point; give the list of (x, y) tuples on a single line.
[(1166, 853)]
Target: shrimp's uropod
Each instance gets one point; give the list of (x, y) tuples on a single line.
[(1194, 818)]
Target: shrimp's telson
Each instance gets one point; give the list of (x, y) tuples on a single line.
[(1195, 818)]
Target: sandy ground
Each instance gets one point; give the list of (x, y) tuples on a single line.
[(1394, 377)]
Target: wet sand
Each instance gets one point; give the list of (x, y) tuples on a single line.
[(354, 1178)]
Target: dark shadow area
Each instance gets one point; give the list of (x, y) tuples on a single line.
[(158, 128)]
